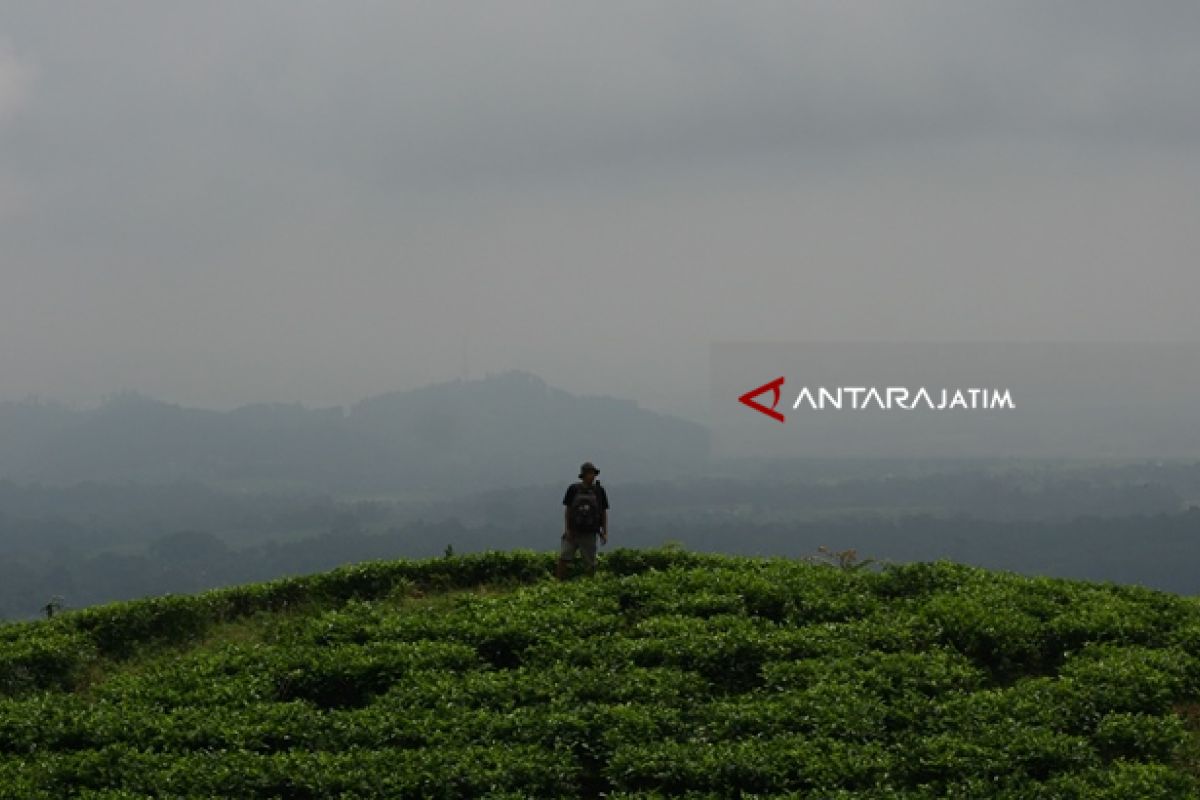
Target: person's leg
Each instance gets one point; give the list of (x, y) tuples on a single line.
[(566, 552), (588, 548)]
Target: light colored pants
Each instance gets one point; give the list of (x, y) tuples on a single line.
[(584, 543)]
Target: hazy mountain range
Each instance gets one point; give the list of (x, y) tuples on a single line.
[(506, 429)]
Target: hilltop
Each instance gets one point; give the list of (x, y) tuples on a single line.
[(671, 674)]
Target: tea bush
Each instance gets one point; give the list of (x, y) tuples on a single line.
[(669, 674)]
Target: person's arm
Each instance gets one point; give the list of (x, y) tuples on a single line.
[(567, 509), (604, 517)]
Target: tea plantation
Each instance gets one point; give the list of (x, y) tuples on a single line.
[(670, 674)]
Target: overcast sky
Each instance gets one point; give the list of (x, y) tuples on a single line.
[(219, 203)]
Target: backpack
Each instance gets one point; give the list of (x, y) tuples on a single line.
[(585, 510)]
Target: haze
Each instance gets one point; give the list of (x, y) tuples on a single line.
[(222, 203)]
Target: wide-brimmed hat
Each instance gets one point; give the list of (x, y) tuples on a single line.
[(587, 465)]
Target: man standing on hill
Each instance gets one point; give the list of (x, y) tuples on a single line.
[(585, 515)]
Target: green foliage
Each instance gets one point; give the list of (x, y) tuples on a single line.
[(43, 658), (670, 674)]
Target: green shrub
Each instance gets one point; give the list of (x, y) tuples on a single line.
[(1134, 679), (45, 658), (1136, 736), (1123, 780), (669, 674)]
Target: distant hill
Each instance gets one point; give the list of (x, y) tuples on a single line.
[(514, 429), (668, 675), (503, 430)]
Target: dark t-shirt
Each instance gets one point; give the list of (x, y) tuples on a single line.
[(600, 493)]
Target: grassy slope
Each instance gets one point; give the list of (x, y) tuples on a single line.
[(670, 674)]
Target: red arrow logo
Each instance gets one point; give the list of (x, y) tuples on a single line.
[(773, 386)]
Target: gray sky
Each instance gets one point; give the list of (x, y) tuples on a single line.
[(228, 202)]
